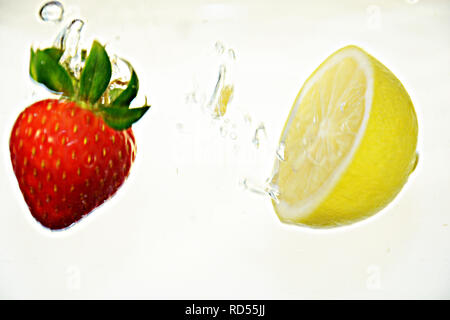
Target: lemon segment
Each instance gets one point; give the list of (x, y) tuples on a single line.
[(350, 143)]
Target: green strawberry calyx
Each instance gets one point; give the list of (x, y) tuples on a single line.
[(93, 88)]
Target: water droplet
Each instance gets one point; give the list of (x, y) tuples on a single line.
[(213, 82), (280, 153), (221, 96), (52, 11), (260, 135), (121, 71), (273, 192), (68, 40), (412, 1), (231, 54), (342, 106), (220, 48), (250, 186), (233, 136), (265, 190)]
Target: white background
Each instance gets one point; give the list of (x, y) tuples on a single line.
[(181, 226)]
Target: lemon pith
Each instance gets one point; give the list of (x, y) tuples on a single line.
[(349, 140)]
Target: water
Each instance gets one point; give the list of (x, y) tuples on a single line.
[(52, 11), (213, 87), (247, 119), (74, 55), (68, 40), (280, 153), (220, 48), (221, 95), (266, 189), (231, 54), (244, 136), (253, 187), (218, 102), (271, 182), (260, 135), (121, 71)]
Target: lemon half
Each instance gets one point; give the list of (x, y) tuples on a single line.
[(349, 143)]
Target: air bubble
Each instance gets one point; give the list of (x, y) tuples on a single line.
[(52, 11)]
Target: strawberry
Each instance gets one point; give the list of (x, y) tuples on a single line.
[(72, 154)]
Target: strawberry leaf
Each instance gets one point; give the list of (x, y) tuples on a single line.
[(96, 74), (114, 93), (54, 53), (45, 69), (127, 95), (120, 117)]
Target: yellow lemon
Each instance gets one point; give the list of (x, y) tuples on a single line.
[(349, 143)]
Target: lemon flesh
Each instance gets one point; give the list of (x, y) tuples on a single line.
[(350, 143)]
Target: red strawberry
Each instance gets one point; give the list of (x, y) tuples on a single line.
[(71, 156)]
